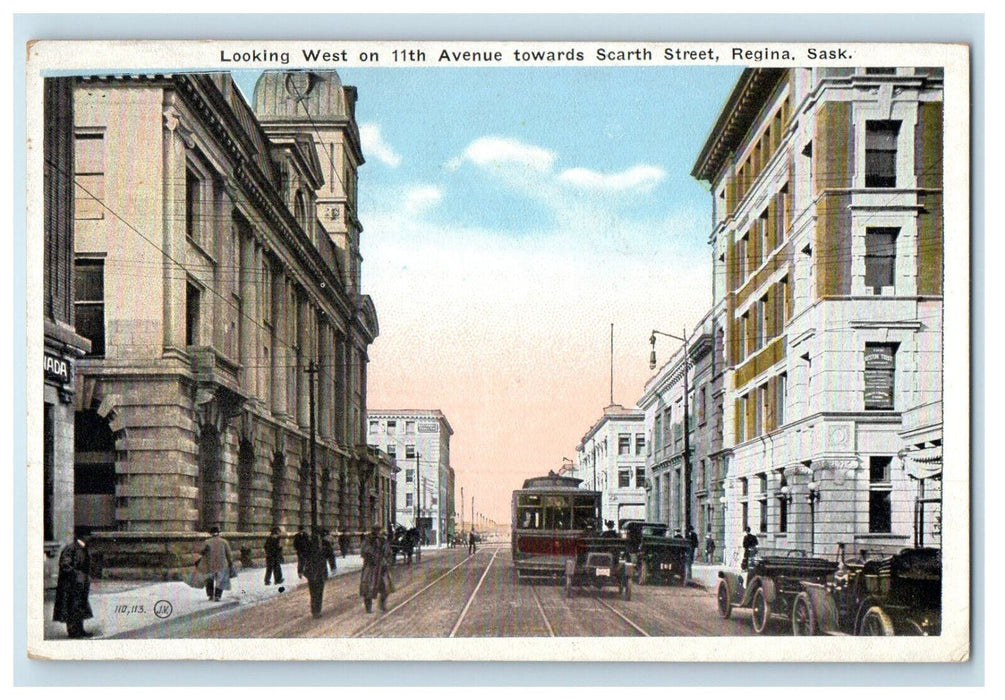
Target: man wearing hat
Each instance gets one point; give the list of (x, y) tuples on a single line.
[(610, 532), (375, 578), (217, 564)]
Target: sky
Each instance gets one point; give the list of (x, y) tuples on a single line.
[(510, 216)]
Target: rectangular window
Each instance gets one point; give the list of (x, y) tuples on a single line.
[(408, 500), (640, 443), (762, 225), (741, 257), (658, 432), (783, 502), (373, 427), (191, 314), (881, 153), (763, 425), (781, 394), (702, 405), (880, 372), (744, 334), (193, 204), (880, 258), (640, 477), (89, 175), (409, 476), (783, 292), (392, 450), (409, 451), (880, 519), (392, 427), (745, 516), (741, 420), (89, 302), (624, 478), (409, 427), (763, 321), (624, 444)]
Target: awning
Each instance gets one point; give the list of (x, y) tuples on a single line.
[(924, 463)]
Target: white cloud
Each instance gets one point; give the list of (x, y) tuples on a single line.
[(642, 178), (421, 198), (496, 150), (374, 145)]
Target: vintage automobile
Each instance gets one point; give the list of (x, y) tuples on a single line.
[(771, 585), (599, 562), (899, 594), (635, 530)]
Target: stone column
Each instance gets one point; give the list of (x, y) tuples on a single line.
[(249, 302), (303, 341), (262, 332), (176, 140), (280, 341)]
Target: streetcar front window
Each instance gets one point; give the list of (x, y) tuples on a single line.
[(585, 514), (557, 513), (529, 518)]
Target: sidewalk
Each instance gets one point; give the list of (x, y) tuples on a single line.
[(125, 606)]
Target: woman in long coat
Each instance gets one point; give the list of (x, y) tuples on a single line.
[(73, 586), (375, 578), (217, 564)]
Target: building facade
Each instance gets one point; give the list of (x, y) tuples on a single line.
[(420, 442), (611, 459), (221, 299), (827, 249), (63, 347), (682, 463)]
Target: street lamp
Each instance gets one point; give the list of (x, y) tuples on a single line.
[(687, 444), (812, 496)]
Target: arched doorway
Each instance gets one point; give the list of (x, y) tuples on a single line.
[(278, 487), (209, 477), (245, 486), (93, 474)]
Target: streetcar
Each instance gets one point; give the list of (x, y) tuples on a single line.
[(552, 515)]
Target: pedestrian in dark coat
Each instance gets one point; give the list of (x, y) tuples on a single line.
[(315, 570), (692, 550), (273, 558), (216, 565), (73, 586), (709, 548), (328, 550), (375, 578), (301, 544), (472, 542), (749, 548)]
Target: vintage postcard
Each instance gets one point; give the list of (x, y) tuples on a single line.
[(498, 351)]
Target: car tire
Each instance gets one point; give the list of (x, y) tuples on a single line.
[(804, 618), (876, 623), (724, 600), (760, 610)]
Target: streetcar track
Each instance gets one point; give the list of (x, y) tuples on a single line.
[(406, 601), (544, 616), (619, 614), (471, 599)]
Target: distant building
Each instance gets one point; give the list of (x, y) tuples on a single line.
[(682, 493), (420, 442), (611, 459), (827, 249), (217, 258)]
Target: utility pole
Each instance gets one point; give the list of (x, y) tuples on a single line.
[(311, 371), (687, 445), (418, 504), (462, 509)]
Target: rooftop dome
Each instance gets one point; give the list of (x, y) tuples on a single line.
[(297, 95)]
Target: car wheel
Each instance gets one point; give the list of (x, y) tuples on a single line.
[(723, 600), (804, 620), (761, 610), (876, 623)]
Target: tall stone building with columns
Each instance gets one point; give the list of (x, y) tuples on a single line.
[(217, 262), (828, 282)]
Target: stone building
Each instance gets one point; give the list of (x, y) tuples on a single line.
[(217, 264), (63, 346), (827, 240), (686, 492), (420, 442), (611, 459)]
